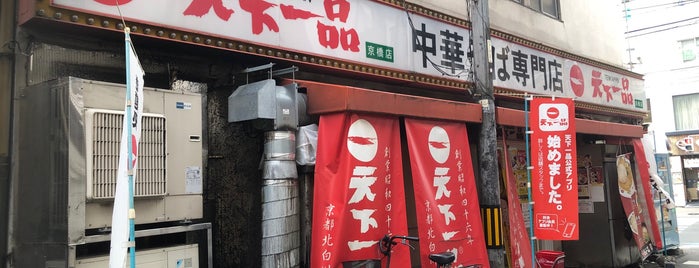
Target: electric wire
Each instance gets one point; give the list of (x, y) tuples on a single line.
[(469, 73), (120, 16), (662, 30), (434, 65), (657, 8), (661, 25), (665, 5)]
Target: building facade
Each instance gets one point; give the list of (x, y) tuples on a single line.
[(664, 49), (210, 67)]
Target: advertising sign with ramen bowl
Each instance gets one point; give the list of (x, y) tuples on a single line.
[(629, 199)]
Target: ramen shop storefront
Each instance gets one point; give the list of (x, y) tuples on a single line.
[(393, 164), (399, 142)]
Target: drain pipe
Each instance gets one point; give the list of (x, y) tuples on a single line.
[(280, 201)]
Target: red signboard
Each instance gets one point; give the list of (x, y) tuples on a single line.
[(358, 194), (555, 176), (445, 192), (520, 246)]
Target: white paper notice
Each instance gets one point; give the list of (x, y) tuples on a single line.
[(597, 193), (586, 207), (193, 180)]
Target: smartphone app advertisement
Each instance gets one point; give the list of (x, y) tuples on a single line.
[(555, 173)]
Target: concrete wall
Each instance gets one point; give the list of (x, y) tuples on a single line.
[(571, 33), (456, 8), (234, 188)]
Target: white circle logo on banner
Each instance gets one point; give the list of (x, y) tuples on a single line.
[(439, 144), (362, 141)]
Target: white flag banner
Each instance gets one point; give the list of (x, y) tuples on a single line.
[(131, 127)]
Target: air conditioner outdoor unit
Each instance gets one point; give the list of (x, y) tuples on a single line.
[(69, 134), (185, 256)]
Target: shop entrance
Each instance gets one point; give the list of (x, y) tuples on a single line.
[(690, 172)]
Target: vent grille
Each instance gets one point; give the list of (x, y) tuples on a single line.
[(105, 131)]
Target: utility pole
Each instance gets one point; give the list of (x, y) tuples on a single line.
[(487, 145)]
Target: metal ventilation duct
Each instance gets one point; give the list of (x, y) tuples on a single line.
[(274, 109), (269, 106)]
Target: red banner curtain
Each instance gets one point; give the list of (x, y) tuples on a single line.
[(554, 178), (629, 200), (520, 244), (644, 171), (358, 193), (446, 199)]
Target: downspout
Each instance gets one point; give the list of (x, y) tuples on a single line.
[(8, 35)]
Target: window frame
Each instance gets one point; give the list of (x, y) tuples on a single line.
[(693, 45), (540, 8), (683, 109), (556, 7)]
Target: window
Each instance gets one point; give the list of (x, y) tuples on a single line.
[(547, 7), (685, 108), (550, 7), (689, 48)]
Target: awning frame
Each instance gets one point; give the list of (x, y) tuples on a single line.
[(329, 98)]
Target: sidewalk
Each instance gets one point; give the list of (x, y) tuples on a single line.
[(688, 227)]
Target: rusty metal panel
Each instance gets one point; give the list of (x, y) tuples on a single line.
[(328, 98)]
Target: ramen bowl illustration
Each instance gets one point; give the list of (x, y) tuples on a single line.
[(626, 185)]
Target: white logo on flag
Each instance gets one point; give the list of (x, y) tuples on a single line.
[(362, 141), (438, 142), (553, 117)]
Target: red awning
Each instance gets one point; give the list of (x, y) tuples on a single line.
[(328, 98)]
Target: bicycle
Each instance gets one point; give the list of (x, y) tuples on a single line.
[(443, 259)]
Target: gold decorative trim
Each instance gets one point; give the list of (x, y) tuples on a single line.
[(504, 92)]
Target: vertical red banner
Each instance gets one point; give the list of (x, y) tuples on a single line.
[(629, 200), (358, 192), (520, 245), (644, 171), (555, 176), (446, 199)]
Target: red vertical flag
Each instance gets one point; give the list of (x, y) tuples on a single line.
[(644, 171), (358, 193), (446, 200), (629, 200), (520, 245), (554, 177)]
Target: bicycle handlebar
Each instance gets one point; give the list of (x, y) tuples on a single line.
[(387, 242), (411, 238), (442, 259)]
